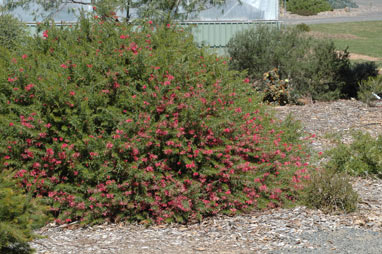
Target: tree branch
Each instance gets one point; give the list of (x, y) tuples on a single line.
[(77, 2)]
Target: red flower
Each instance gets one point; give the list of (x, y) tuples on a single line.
[(29, 87)]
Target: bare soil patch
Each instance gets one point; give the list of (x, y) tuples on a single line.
[(354, 56), (317, 34)]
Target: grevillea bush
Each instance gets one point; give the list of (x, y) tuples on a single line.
[(110, 121)]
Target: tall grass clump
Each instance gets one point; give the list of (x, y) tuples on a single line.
[(330, 191), (111, 121)]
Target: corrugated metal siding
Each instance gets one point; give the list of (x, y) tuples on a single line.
[(215, 35), (218, 34)]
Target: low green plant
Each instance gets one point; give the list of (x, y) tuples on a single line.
[(363, 157), (308, 7), (114, 121), (330, 191), (19, 215), (303, 27), (370, 90), (313, 67)]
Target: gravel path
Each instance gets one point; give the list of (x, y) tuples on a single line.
[(346, 240), (342, 117)]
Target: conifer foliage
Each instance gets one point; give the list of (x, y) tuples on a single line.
[(111, 121), (19, 215)]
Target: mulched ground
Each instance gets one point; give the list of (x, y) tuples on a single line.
[(298, 230)]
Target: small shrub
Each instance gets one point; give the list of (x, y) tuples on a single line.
[(330, 191), (313, 67), (370, 89), (303, 27), (113, 121), (19, 215), (363, 157), (340, 4), (275, 90), (308, 7)]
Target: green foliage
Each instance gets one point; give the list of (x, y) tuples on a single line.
[(360, 78), (368, 87), (158, 10), (275, 90), (4, 61), (363, 157), (313, 67), (330, 191), (114, 121), (12, 31), (19, 215), (303, 27), (340, 4), (308, 7)]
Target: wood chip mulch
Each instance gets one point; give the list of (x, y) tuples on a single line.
[(259, 232)]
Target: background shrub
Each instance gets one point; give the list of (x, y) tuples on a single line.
[(308, 7), (313, 67), (19, 215), (12, 31), (357, 73), (110, 121), (363, 157)]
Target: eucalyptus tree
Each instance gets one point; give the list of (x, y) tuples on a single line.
[(161, 10)]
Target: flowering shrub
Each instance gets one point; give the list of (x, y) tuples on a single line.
[(109, 121)]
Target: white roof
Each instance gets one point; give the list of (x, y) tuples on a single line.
[(245, 10)]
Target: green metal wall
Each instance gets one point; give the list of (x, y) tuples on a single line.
[(218, 34)]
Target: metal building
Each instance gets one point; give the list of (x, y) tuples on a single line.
[(213, 27)]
